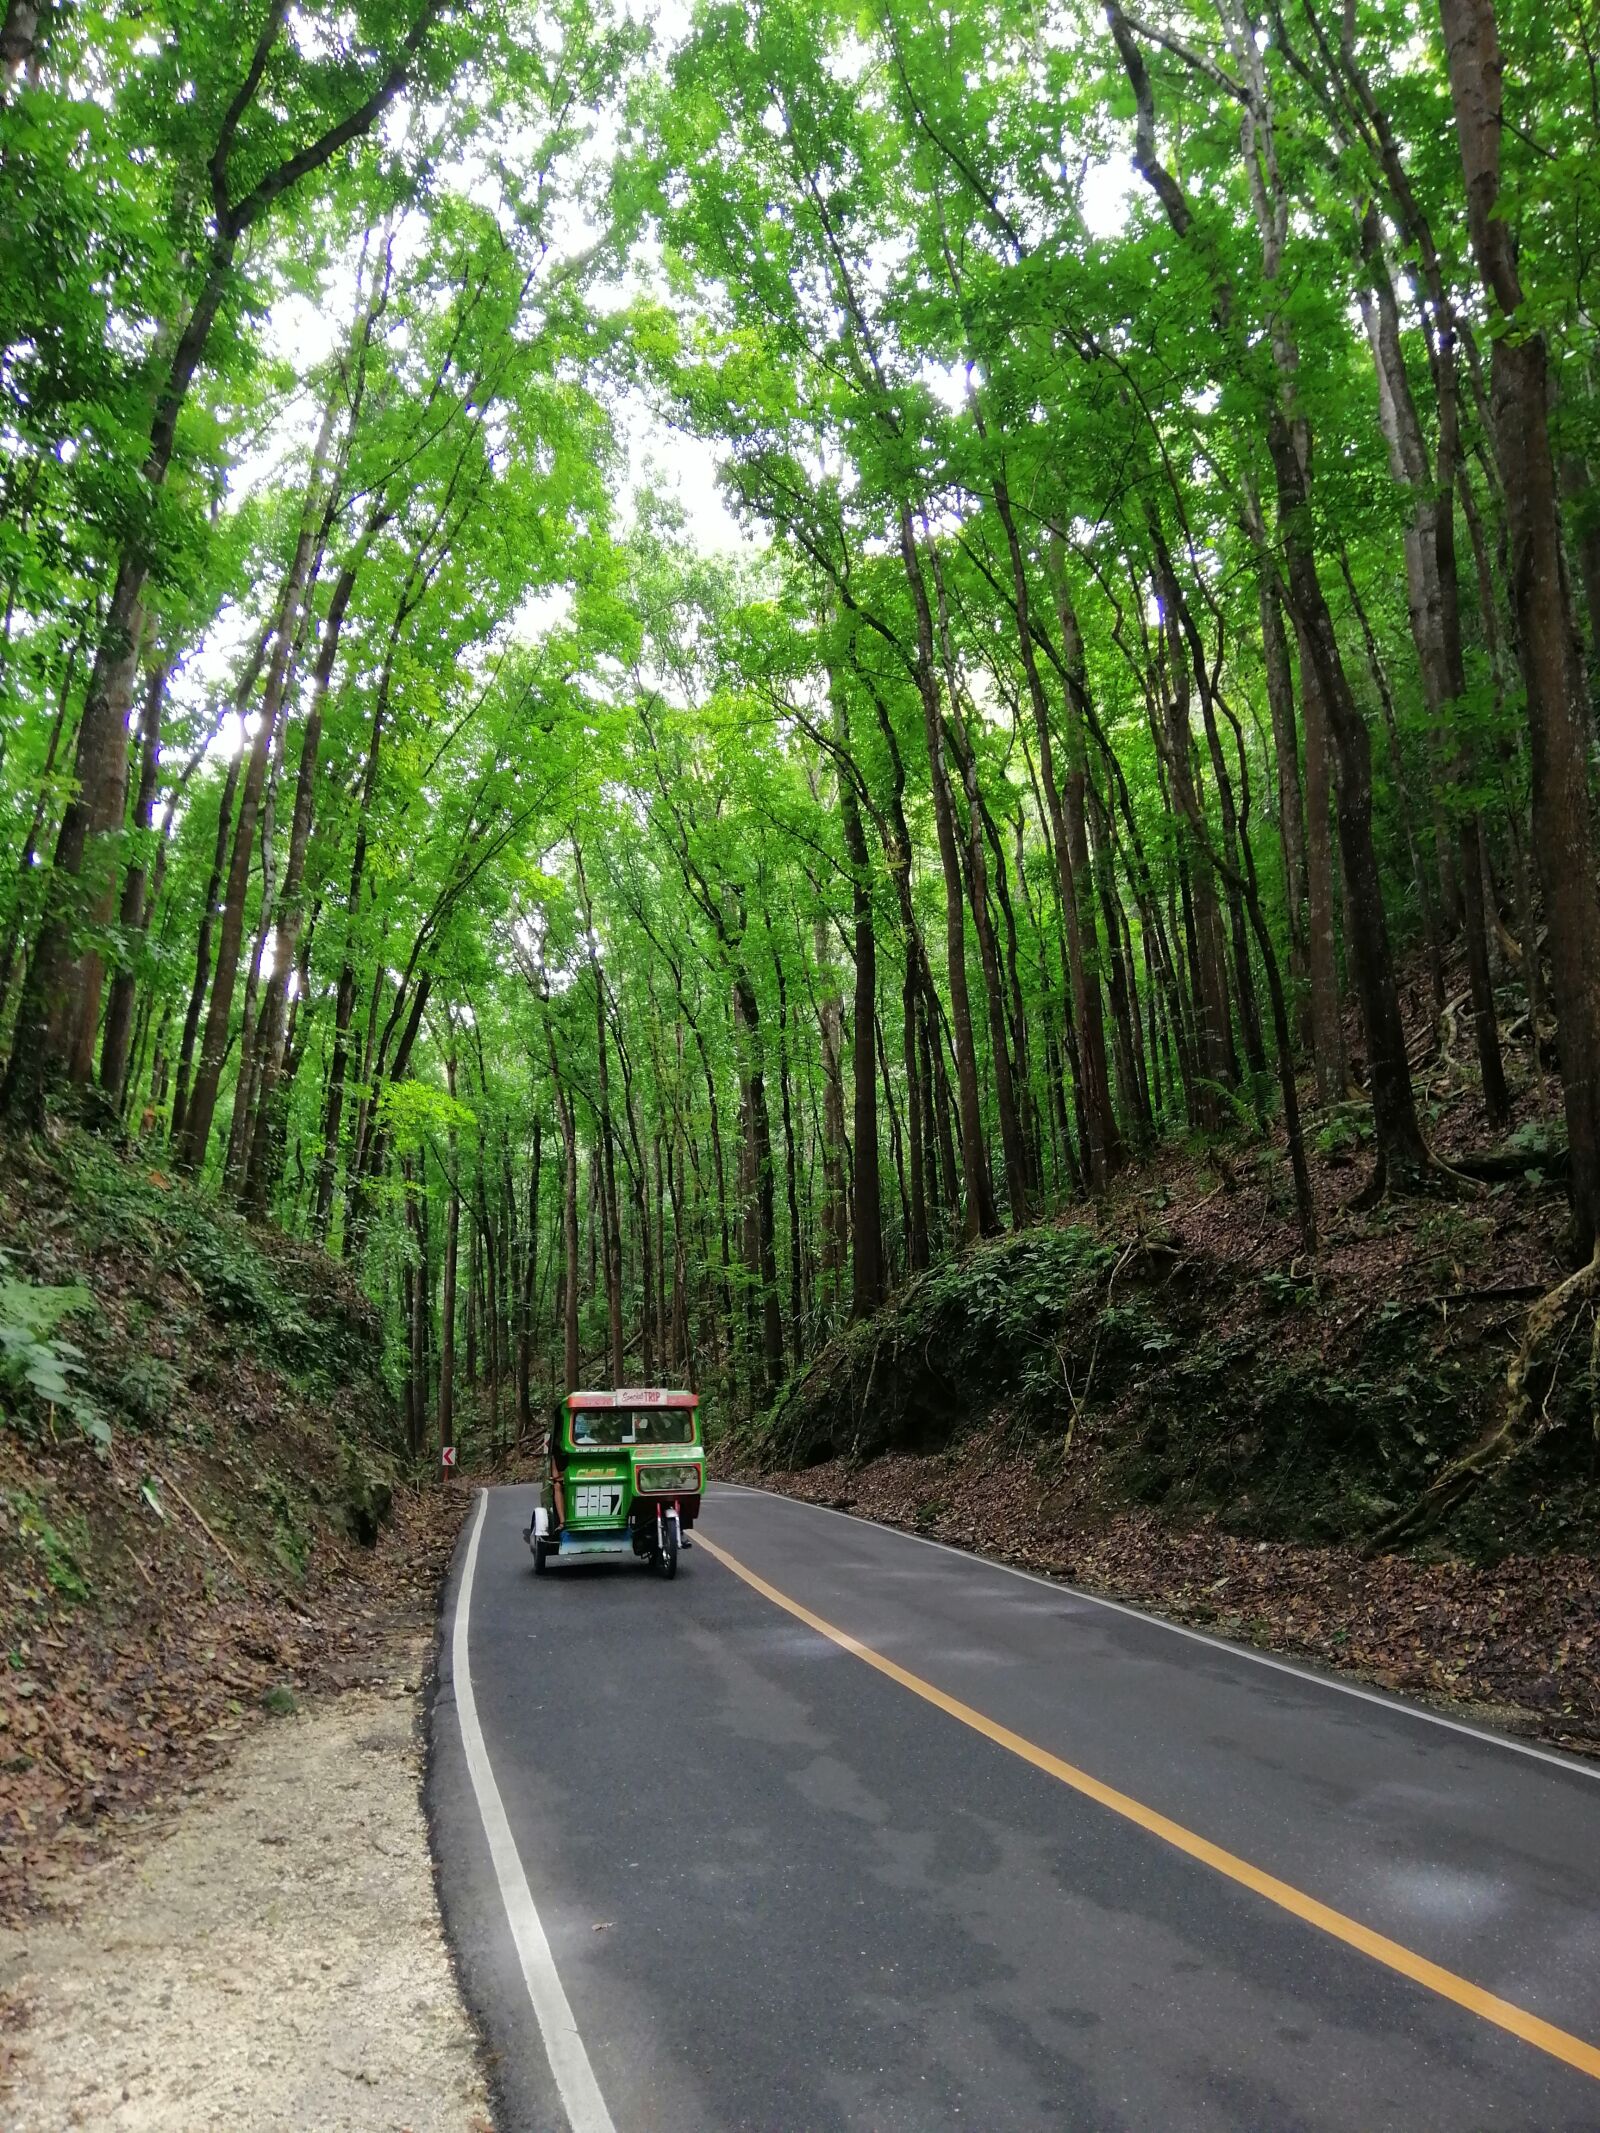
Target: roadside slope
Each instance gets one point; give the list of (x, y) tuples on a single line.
[(196, 1457)]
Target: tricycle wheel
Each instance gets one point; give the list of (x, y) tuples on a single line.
[(540, 1552), (667, 1554)]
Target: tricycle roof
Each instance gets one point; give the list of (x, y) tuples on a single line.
[(632, 1396)]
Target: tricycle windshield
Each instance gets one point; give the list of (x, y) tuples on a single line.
[(663, 1425), (611, 1426)]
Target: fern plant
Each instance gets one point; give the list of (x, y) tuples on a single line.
[(35, 1361)]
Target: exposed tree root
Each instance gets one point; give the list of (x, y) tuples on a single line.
[(1467, 1173), (1523, 1424), (1432, 1178), (1499, 1163)]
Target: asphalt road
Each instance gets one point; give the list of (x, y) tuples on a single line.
[(895, 1840)]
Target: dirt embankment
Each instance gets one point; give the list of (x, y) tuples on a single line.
[(217, 1597), (197, 1454)]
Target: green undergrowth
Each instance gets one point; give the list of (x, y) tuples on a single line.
[(179, 1389), (261, 1291), (1141, 1372)]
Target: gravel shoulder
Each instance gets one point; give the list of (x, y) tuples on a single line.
[(269, 1955)]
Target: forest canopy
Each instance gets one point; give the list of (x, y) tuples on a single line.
[(1150, 695)]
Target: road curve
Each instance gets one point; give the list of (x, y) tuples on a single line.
[(841, 1830)]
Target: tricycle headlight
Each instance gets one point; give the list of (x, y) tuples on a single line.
[(667, 1480)]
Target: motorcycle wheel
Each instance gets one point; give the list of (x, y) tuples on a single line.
[(667, 1554)]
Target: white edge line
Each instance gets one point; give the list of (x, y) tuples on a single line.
[(569, 2062), (1384, 1702)]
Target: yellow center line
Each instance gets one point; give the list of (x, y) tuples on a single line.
[(1544, 2036)]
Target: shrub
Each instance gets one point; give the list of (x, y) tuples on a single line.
[(38, 1367)]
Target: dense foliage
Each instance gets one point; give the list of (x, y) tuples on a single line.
[(1157, 697)]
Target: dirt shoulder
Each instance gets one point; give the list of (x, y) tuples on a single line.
[(268, 1954), (1516, 1645)]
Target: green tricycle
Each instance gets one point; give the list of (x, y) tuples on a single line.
[(625, 1476)]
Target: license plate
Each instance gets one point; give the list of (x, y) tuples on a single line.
[(598, 1499)]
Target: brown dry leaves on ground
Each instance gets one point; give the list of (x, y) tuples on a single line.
[(100, 1717), (1519, 1641)]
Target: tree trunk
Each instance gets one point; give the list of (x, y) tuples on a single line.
[(417, 1296), (191, 1152), (866, 1213), (26, 870), (1102, 1146), (1433, 943), (639, 1187), (1398, 1135), (132, 912), (244, 1076), (611, 1226), (571, 1366), (1174, 735), (791, 1195), (447, 1291), (1186, 632), (1327, 1028), (1433, 599), (1013, 1152), (1552, 657), (530, 1272), (835, 1250), (19, 42), (202, 949), (979, 1217), (491, 1312), (895, 837), (345, 999), (291, 904), (1286, 750), (761, 1256)]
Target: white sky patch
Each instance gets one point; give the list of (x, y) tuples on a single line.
[(315, 40), (687, 468), (668, 20), (848, 60), (205, 682), (305, 332), (1108, 191), (544, 611), (946, 381), (657, 454)]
